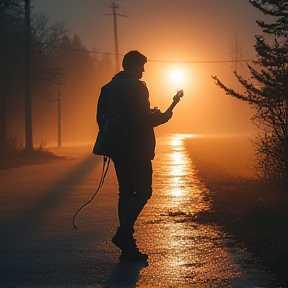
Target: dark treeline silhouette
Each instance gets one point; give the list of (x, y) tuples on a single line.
[(267, 91), (55, 58)]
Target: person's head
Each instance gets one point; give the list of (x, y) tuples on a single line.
[(133, 63)]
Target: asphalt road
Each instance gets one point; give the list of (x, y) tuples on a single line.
[(40, 248)]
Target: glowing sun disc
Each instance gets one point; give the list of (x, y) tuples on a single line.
[(176, 76)]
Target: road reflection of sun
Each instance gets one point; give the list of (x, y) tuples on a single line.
[(177, 157), (181, 249), (179, 167)]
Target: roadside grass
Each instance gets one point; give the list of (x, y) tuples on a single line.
[(17, 158), (253, 211)]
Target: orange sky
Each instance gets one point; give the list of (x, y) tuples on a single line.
[(182, 30)]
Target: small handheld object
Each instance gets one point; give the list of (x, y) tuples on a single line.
[(176, 99)]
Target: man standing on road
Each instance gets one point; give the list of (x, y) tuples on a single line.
[(127, 98)]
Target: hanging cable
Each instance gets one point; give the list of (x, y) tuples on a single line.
[(106, 163), (158, 61)]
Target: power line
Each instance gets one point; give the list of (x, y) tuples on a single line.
[(159, 61), (80, 50), (103, 2), (200, 61), (162, 61), (113, 6), (91, 6)]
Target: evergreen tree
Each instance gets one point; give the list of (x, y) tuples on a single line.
[(267, 91)]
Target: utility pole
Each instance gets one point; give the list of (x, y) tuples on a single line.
[(114, 6), (59, 113), (28, 98)]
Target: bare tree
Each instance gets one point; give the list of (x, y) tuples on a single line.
[(12, 59)]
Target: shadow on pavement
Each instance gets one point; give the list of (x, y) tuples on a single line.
[(26, 221), (126, 274)]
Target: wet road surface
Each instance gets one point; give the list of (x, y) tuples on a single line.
[(39, 247), (185, 251)]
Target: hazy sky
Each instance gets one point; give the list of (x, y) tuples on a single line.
[(174, 30), (151, 21)]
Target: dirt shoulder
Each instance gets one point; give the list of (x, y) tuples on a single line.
[(255, 213), (14, 159)]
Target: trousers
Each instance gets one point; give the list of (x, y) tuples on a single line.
[(134, 177)]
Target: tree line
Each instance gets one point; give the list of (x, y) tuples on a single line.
[(55, 58)]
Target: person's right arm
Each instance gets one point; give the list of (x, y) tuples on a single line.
[(137, 97)]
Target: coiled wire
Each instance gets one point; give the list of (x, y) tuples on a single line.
[(106, 163)]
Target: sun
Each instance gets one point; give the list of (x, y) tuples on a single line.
[(176, 77)]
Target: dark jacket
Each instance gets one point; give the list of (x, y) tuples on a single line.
[(127, 98)]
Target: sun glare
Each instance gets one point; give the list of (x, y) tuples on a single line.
[(176, 77)]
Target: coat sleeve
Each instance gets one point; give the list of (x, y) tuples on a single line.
[(137, 102), (101, 109)]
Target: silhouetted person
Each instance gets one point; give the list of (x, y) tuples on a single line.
[(127, 98)]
